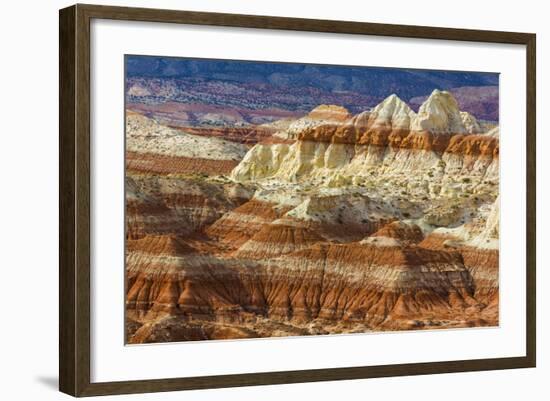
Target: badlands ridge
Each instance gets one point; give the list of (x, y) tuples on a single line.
[(332, 223)]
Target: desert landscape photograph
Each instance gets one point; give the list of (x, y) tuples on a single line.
[(268, 199)]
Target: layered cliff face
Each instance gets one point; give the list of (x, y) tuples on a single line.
[(390, 139), (380, 283), (155, 148), (338, 223), (478, 243), (164, 205)]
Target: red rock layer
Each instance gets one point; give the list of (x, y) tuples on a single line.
[(370, 283), (381, 287), (483, 265), (406, 233), (153, 287), (436, 241), (162, 280), (248, 135), (274, 240), (151, 209), (239, 225), (160, 164), (346, 231), (159, 245), (152, 216), (472, 145)]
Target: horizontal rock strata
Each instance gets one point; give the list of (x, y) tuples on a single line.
[(164, 205), (161, 164), (331, 223), (372, 285)]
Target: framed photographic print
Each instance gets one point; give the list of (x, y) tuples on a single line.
[(250, 200)]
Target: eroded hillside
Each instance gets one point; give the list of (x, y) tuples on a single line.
[(334, 223)]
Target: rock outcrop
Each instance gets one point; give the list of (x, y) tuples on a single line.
[(321, 288), (338, 223), (144, 135), (323, 115), (329, 113), (163, 205), (155, 148), (439, 114), (390, 138)]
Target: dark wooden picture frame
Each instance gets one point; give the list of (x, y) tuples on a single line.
[(74, 203)]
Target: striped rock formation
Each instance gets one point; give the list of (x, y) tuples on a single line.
[(391, 138), (386, 220), (155, 148), (164, 205), (384, 282)]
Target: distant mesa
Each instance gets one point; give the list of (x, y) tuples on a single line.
[(294, 87), (329, 113)]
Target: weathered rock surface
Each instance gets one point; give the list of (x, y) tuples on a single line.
[(164, 205), (391, 138), (145, 135), (386, 220), (338, 287)]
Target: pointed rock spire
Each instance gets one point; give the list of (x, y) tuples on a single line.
[(439, 114), (392, 113)]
